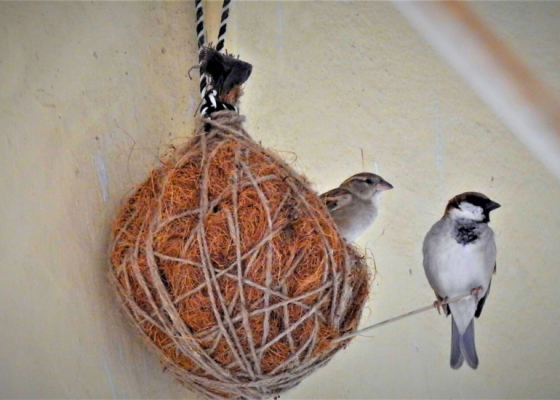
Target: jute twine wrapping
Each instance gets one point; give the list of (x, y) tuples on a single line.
[(230, 267)]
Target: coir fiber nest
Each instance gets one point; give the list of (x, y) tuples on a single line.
[(231, 268)]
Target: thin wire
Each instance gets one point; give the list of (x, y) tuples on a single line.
[(394, 319)]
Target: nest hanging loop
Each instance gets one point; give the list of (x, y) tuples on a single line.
[(221, 75), (227, 75), (227, 261)]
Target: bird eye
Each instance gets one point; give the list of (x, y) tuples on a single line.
[(369, 181)]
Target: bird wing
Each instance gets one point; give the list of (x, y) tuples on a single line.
[(430, 251), (482, 301), (336, 198)]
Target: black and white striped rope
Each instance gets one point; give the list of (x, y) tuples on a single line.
[(210, 100), (223, 25), (211, 104), (201, 42)]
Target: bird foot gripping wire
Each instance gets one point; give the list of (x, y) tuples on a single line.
[(475, 292), (439, 304)]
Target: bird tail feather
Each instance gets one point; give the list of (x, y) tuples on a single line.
[(457, 358), (468, 348)]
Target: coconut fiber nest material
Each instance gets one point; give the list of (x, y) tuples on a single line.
[(231, 268)]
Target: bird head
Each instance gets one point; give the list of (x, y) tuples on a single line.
[(471, 206), (365, 185)]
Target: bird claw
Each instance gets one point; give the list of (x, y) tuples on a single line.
[(438, 304), (475, 292)]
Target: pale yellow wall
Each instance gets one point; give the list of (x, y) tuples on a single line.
[(91, 93)]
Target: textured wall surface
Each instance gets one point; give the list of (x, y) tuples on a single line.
[(92, 93)]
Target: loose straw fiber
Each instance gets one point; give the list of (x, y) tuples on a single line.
[(229, 265)]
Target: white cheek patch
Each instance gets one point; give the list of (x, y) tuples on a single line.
[(468, 211)]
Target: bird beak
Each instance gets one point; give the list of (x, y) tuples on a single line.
[(384, 186), (492, 205)]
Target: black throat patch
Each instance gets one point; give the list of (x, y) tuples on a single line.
[(467, 231)]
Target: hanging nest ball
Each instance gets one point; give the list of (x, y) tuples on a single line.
[(231, 268)]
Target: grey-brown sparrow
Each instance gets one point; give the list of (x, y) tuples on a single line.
[(355, 203), (460, 256)]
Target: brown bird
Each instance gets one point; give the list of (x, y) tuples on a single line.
[(355, 203)]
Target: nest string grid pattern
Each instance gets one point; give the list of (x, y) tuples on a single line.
[(243, 285)]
